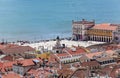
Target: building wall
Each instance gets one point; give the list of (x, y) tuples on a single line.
[(79, 29), (68, 59), (21, 69), (99, 32), (100, 35), (18, 69), (44, 55), (82, 30), (107, 62), (84, 59)]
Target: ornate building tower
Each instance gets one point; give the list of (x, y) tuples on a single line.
[(79, 29), (58, 45), (57, 48)]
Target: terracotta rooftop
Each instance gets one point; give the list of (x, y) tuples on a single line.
[(90, 64), (65, 72), (17, 49), (39, 73), (79, 50), (1, 64), (115, 71), (33, 72), (105, 26), (90, 55), (11, 75), (79, 74), (8, 58), (3, 46), (108, 53), (27, 62), (52, 58), (6, 65), (70, 52), (112, 70), (62, 54)]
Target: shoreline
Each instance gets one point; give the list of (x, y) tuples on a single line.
[(34, 38), (37, 41), (48, 45)]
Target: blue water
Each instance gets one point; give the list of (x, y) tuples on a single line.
[(43, 19)]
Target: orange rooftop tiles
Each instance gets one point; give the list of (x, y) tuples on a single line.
[(17, 49), (90, 55), (105, 26), (27, 62), (6, 65), (11, 75), (78, 51)]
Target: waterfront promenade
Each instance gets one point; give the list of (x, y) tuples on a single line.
[(68, 43)]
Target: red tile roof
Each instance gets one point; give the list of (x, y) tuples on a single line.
[(62, 54), (79, 74), (90, 64), (17, 49), (68, 52), (90, 55), (79, 50), (11, 75), (6, 65), (105, 26), (3, 46), (1, 64), (65, 72), (8, 58), (115, 71), (109, 69), (52, 58), (27, 62), (33, 72), (107, 52), (39, 72)]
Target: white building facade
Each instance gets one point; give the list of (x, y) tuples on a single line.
[(79, 29)]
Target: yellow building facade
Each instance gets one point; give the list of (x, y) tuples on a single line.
[(101, 32), (43, 55)]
